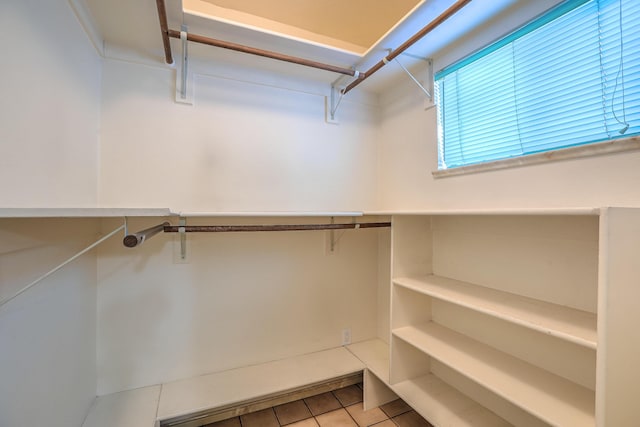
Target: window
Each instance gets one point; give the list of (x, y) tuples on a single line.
[(570, 77)]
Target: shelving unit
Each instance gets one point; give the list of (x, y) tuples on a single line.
[(559, 321), (547, 396), (445, 405), (426, 394), (524, 313)]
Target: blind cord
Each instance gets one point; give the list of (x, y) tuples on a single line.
[(620, 76)]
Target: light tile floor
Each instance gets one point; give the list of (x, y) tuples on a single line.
[(339, 408)]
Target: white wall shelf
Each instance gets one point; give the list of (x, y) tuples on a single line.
[(528, 313), (375, 355), (445, 405), (149, 406), (498, 211), (555, 400), (274, 214), (559, 321), (83, 212), (160, 212), (427, 394)]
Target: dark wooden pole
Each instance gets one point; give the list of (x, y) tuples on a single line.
[(410, 42), (133, 240), (277, 227), (264, 53), (166, 33), (164, 28)]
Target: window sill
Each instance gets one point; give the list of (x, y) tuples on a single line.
[(600, 148)]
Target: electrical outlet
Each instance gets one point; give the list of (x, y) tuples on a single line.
[(346, 336)]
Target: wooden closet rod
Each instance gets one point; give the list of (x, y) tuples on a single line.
[(164, 28), (166, 33), (133, 240), (360, 76), (276, 227), (406, 45), (265, 53)]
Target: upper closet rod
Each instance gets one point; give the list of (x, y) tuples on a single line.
[(265, 53), (166, 33), (164, 28), (360, 76), (406, 45)]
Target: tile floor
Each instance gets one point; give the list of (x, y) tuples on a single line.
[(339, 408)]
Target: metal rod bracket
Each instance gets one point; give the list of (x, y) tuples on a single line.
[(331, 105), (428, 78), (184, 79), (183, 239)]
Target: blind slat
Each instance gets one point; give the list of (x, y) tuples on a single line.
[(560, 83)]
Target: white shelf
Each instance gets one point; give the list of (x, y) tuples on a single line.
[(552, 399), (569, 324), (375, 355), (428, 395), (222, 389), (148, 406), (445, 405), (159, 212), (82, 212), (499, 211), (274, 214), (131, 408)]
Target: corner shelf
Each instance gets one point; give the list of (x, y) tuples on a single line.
[(445, 405), (576, 326), (426, 394), (549, 397), (510, 308)]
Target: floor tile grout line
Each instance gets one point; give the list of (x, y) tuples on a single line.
[(341, 406)]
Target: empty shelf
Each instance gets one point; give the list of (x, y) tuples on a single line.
[(444, 405), (226, 388), (375, 355), (131, 408), (549, 397), (82, 212), (562, 322)]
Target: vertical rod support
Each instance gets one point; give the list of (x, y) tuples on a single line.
[(185, 62), (183, 239)]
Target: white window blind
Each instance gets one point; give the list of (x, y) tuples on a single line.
[(570, 77)]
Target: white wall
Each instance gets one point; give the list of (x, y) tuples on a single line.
[(243, 146), (48, 333), (252, 141), (243, 298), (408, 155), (49, 107)]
